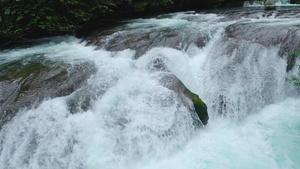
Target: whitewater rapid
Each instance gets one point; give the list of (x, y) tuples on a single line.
[(134, 122), (260, 3)]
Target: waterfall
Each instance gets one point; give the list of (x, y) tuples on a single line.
[(121, 116), (259, 3)]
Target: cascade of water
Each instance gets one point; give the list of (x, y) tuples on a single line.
[(260, 3), (125, 118)]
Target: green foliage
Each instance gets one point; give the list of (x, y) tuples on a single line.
[(295, 79), (297, 53), (140, 6), (268, 8), (295, 1), (269, 5), (36, 18), (25, 16)]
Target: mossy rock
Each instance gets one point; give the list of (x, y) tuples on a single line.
[(200, 106), (186, 96), (27, 85)]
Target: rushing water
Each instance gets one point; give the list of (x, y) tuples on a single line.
[(260, 3), (133, 121)]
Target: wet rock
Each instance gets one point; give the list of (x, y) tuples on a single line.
[(199, 105), (291, 60), (188, 98), (191, 100), (27, 85), (142, 40), (81, 100), (286, 36)]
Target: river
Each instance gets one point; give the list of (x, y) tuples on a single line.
[(121, 117)]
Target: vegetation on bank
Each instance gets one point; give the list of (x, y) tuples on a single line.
[(295, 1), (269, 5), (295, 79), (34, 17), (21, 19)]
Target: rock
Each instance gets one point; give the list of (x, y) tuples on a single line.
[(191, 100), (142, 40), (27, 85), (286, 36), (199, 105), (291, 60), (188, 98)]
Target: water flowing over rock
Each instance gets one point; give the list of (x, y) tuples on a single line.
[(144, 35), (128, 96), (189, 31), (190, 100), (261, 3), (146, 40), (242, 32), (27, 84), (287, 37)]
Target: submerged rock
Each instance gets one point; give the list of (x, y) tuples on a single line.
[(27, 85)]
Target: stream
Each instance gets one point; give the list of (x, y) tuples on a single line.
[(99, 101)]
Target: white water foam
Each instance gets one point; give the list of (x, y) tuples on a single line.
[(137, 123), (133, 121), (260, 3), (268, 139)]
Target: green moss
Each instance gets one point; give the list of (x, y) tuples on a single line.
[(195, 98), (24, 72), (200, 106), (295, 79)]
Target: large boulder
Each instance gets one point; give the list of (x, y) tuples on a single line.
[(24, 85), (118, 39), (284, 35), (188, 98), (199, 105), (142, 35), (191, 100)]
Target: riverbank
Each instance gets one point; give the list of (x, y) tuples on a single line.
[(114, 108), (33, 20), (22, 20)]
